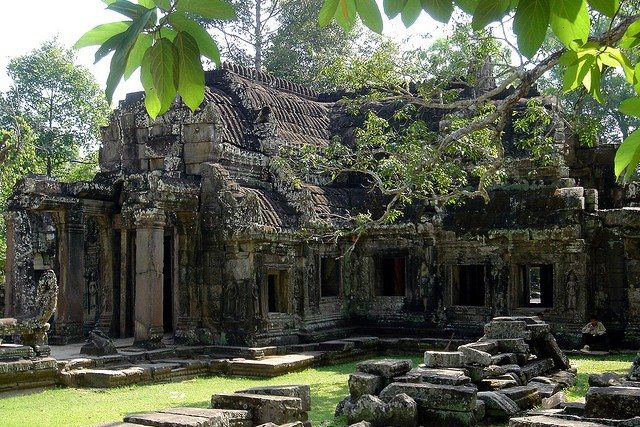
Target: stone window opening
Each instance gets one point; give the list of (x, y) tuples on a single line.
[(537, 285), (468, 285), (277, 291), (392, 276), (330, 274)]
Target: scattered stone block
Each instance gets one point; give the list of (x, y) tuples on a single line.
[(439, 376), (547, 421), (472, 356), (368, 408), (612, 402), (554, 401), (488, 346), (476, 373), (498, 405), (434, 396), (162, 419), (443, 359), (634, 371), (444, 418), (567, 379), (537, 367), (504, 359), (264, 408), (491, 384), (506, 328), (546, 390), (513, 345), (547, 346), (361, 383), (361, 424), (302, 392), (337, 345), (494, 371), (386, 368), (216, 417), (526, 396), (605, 379), (402, 411), (573, 408)]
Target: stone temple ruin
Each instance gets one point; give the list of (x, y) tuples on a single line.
[(190, 230)]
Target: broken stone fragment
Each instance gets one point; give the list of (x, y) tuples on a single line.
[(368, 408), (361, 383), (605, 379), (526, 397), (264, 408), (498, 405), (302, 392), (386, 368), (472, 356), (434, 396), (614, 402), (443, 359), (438, 376), (546, 346), (506, 328), (553, 401)]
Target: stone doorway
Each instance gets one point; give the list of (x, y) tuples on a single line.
[(128, 314)]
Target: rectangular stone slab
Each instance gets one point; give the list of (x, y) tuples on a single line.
[(160, 419), (537, 368), (264, 408), (386, 368), (526, 397), (217, 417), (435, 396), (440, 376), (545, 421), (443, 359), (612, 402), (303, 392)]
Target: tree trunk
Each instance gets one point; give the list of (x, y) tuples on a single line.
[(258, 36)]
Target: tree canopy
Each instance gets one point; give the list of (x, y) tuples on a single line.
[(164, 38)]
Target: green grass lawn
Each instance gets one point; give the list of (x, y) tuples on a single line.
[(85, 407)]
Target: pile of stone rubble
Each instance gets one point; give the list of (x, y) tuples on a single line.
[(517, 365), (283, 406)]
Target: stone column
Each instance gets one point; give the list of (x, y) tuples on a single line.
[(71, 281), (105, 321), (148, 329), (20, 288)]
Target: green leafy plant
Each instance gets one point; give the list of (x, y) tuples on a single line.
[(161, 38)]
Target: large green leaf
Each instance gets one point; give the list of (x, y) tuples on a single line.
[(206, 44), (101, 34), (575, 74), (149, 4), (530, 25), (440, 10), (570, 21), (628, 155), (346, 14), (370, 14), (190, 72), (631, 37), (128, 9), (489, 11), (591, 82), (136, 54), (122, 51), (631, 106), (151, 100), (163, 4), (468, 6), (109, 46), (327, 12), (606, 7), (210, 9), (392, 8), (163, 64), (411, 12)]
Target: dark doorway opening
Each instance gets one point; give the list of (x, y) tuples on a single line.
[(130, 287), (329, 277), (277, 292), (469, 285), (167, 288), (392, 277)]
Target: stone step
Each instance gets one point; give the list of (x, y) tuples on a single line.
[(271, 366)]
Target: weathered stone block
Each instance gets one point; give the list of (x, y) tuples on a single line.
[(386, 368), (368, 408), (494, 371), (526, 397), (537, 367), (546, 390), (444, 418), (199, 132), (501, 328), (553, 401), (361, 383), (498, 405), (402, 411), (546, 421), (302, 392), (488, 346), (504, 359), (613, 402), (472, 356), (443, 359), (196, 152), (605, 379), (491, 384), (264, 408), (513, 345), (440, 376), (215, 417), (435, 396), (547, 346)]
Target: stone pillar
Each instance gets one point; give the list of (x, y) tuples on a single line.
[(71, 281), (105, 321), (20, 288), (148, 328)]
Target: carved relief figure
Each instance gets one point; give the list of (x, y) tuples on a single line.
[(571, 288)]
